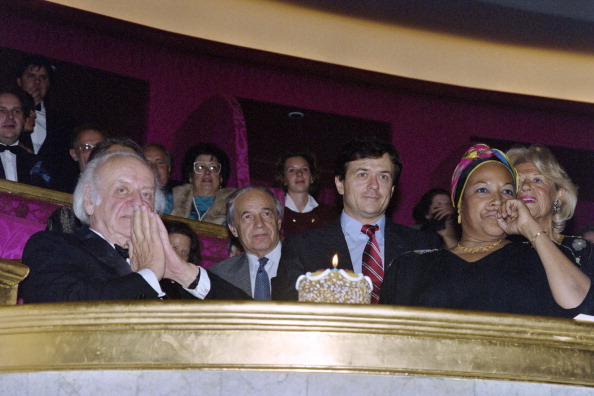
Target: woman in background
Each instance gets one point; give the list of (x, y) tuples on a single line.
[(206, 168), (435, 212), (297, 173), (551, 197), (185, 243)]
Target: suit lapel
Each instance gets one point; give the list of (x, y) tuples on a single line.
[(103, 252), (239, 274), (336, 243)]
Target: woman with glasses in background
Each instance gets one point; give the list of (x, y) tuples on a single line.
[(206, 168)]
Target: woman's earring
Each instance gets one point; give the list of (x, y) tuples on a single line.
[(556, 206), (459, 218)]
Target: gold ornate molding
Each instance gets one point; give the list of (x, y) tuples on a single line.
[(11, 274), (295, 337)]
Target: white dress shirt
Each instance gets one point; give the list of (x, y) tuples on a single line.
[(270, 267), (356, 240), (40, 129), (9, 163)]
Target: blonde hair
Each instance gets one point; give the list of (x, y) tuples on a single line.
[(549, 167)]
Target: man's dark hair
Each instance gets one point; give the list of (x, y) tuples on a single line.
[(20, 94), (363, 147), (208, 149), (35, 61), (112, 141), (85, 127)]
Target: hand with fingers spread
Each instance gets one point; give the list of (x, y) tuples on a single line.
[(146, 246)]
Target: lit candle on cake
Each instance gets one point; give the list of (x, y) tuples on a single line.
[(334, 286)]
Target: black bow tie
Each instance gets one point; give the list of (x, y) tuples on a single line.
[(12, 149), (122, 251), (38, 107)]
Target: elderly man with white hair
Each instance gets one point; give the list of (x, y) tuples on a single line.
[(115, 199)]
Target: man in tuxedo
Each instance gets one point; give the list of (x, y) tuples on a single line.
[(366, 171), (16, 163), (115, 200), (50, 139), (254, 216)]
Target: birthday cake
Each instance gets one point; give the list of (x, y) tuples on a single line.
[(334, 286)]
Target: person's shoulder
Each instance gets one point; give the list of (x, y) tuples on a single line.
[(224, 193), (225, 264)]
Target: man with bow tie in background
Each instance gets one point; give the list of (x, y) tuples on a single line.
[(16, 163)]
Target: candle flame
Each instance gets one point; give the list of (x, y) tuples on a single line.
[(335, 261)]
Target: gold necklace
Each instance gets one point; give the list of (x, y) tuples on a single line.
[(479, 249)]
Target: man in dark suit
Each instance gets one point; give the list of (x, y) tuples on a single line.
[(50, 139), (366, 172), (16, 164), (115, 200), (254, 216)]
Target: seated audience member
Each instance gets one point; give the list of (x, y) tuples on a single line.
[(29, 118), (85, 138), (16, 163), (254, 215), (587, 233), (297, 173), (550, 195), (50, 139), (184, 243), (116, 143), (206, 168), (183, 240), (485, 271), (160, 159), (115, 200), (366, 171), (435, 212)]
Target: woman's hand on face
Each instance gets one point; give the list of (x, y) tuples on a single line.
[(514, 216), (442, 211)]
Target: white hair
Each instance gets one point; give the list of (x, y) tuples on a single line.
[(91, 181)]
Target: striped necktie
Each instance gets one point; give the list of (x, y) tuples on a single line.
[(372, 261)]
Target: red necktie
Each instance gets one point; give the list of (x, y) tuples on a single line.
[(372, 261)]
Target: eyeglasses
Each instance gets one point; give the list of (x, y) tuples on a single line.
[(85, 147), (212, 167)]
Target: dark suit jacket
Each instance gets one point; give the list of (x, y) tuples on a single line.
[(29, 169), (53, 153), (84, 267), (235, 270), (313, 250)]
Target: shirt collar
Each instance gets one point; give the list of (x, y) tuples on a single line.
[(309, 206), (352, 227)]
